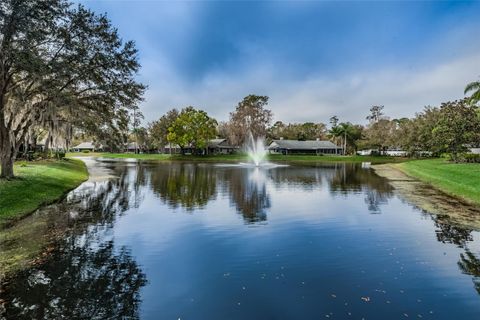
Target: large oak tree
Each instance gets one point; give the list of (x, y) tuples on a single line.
[(60, 64)]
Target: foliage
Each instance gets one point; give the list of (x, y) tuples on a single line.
[(159, 129), (250, 116), (458, 126), (347, 134), (475, 96), (379, 134), (469, 158), (297, 131), (61, 67), (192, 128), (376, 113)]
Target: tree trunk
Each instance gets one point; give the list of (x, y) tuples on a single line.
[(7, 154), (7, 166)]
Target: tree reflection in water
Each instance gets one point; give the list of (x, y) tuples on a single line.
[(469, 263), (189, 186), (81, 274), (77, 281), (353, 178), (248, 193)]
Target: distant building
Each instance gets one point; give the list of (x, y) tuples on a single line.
[(215, 146), (171, 149), (220, 146), (87, 146), (317, 147)]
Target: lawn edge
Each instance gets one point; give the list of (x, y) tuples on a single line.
[(6, 223)]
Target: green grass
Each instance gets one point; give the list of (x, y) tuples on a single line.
[(243, 157), (458, 179), (38, 183)]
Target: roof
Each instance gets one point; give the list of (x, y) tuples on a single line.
[(215, 142), (85, 145), (302, 145)]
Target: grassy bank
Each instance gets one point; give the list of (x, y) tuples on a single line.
[(243, 157), (458, 179), (38, 183)]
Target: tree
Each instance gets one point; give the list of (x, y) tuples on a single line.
[(137, 117), (60, 64), (159, 129), (458, 127), (192, 128), (347, 133), (297, 131), (376, 113), (250, 116), (475, 96), (379, 134), (334, 121)]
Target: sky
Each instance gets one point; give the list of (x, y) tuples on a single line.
[(314, 59)]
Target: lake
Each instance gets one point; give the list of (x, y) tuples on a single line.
[(212, 241)]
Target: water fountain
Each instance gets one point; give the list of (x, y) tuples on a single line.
[(257, 154), (256, 150)]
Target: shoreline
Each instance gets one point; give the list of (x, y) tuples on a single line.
[(429, 198), (158, 157), (43, 183), (25, 240)]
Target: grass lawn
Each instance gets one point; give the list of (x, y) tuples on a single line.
[(459, 179), (244, 157), (38, 183)]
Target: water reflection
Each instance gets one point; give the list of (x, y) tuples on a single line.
[(80, 274), (354, 178), (85, 269), (188, 186), (77, 281), (470, 264), (247, 191)]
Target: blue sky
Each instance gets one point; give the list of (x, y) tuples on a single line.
[(313, 59)]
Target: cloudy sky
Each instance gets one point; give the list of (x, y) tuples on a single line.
[(313, 59)]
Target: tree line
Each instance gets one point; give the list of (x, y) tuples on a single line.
[(451, 128)]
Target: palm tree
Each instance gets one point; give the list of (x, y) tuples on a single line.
[(475, 87), (335, 132), (345, 131)]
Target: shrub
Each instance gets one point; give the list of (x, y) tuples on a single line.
[(469, 158), (85, 151)]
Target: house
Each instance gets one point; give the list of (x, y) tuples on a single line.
[(171, 149), (87, 146), (133, 147), (220, 146), (317, 147)]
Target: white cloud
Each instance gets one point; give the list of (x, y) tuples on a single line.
[(403, 92)]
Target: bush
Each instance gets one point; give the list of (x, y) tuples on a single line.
[(85, 151), (469, 158), (472, 158)]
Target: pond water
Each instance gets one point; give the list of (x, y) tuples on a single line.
[(206, 241)]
